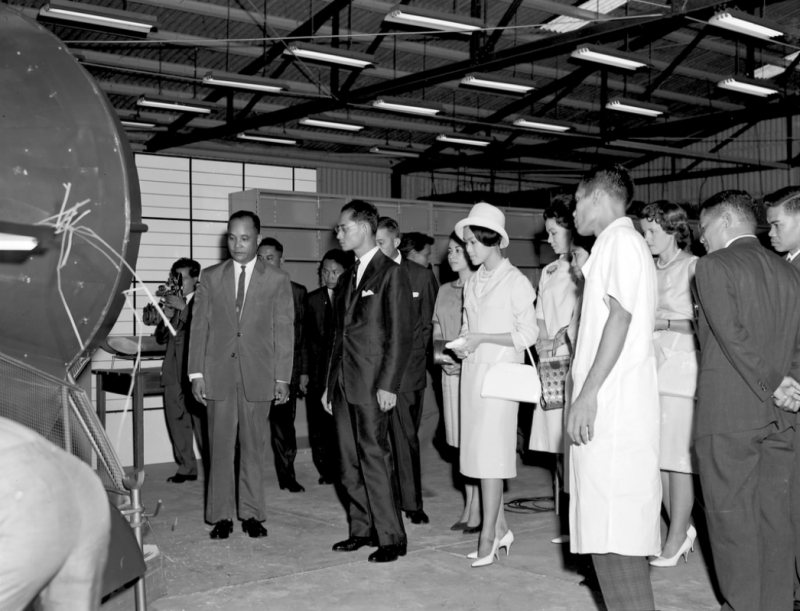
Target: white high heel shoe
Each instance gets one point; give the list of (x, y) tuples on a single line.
[(506, 542), (685, 548), (487, 560)]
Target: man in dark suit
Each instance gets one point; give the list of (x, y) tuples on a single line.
[(749, 331), (281, 420), (406, 416), (183, 414), (783, 216), (240, 361), (318, 331), (370, 350)]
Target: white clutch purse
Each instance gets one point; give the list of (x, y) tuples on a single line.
[(513, 382)]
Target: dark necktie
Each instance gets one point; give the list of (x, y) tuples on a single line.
[(355, 275), (240, 292)]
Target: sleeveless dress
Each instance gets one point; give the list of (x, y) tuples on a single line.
[(558, 295), (447, 315), (677, 358)]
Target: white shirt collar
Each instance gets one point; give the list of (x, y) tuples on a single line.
[(189, 297), (738, 237), (791, 256), (399, 258)]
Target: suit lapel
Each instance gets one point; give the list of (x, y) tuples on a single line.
[(229, 286), (253, 290), (372, 268)]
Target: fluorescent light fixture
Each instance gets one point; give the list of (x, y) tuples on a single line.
[(464, 140), (737, 83), (637, 108), (743, 23), (497, 83), (609, 57), (256, 137), (329, 55), (9, 241), (768, 71), (564, 24), (432, 20), (392, 151), (543, 125), (137, 124), (103, 18), (149, 101), (240, 81), (408, 106), (317, 121)]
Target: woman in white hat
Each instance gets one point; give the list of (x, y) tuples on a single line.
[(499, 324)]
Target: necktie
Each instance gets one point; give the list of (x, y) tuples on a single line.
[(355, 275), (240, 292)]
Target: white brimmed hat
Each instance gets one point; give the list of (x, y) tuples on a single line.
[(488, 216)]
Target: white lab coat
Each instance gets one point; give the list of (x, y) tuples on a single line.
[(615, 485)]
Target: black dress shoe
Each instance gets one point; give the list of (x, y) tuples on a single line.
[(471, 530), (323, 481), (179, 478), (352, 544), (291, 486), (418, 517), (388, 553), (253, 528), (222, 529)]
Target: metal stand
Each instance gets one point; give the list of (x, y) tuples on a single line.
[(135, 514)]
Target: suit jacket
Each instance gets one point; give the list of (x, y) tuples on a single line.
[(424, 288), (259, 345), (318, 330), (300, 362), (749, 331), (373, 331), (173, 369)]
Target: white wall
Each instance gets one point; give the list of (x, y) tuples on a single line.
[(185, 206)]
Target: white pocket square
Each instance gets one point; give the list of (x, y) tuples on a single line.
[(367, 293), (415, 295)]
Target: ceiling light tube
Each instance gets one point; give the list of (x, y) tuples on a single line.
[(543, 125), (408, 106), (9, 241), (148, 101), (391, 151), (137, 124), (240, 81), (742, 23), (497, 83), (737, 83), (608, 57), (432, 20), (329, 55), (103, 18), (637, 108), (465, 140), (265, 138), (316, 121)]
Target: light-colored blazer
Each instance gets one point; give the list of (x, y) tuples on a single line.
[(505, 304), (260, 344)]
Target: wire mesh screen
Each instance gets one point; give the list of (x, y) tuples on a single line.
[(62, 414)]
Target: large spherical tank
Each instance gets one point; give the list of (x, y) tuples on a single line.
[(56, 128)]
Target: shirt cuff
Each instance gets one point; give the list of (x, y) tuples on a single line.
[(282, 381), (195, 376)]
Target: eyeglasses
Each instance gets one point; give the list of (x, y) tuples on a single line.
[(344, 228)]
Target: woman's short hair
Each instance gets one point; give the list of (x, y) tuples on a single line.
[(560, 210), (454, 237), (485, 236), (672, 219)]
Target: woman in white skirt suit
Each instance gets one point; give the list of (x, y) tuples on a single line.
[(499, 324)]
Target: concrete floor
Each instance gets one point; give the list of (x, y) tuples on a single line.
[(294, 569)]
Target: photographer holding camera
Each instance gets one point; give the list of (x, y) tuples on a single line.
[(184, 415)]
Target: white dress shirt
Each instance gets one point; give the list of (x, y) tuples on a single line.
[(791, 256), (399, 258), (364, 261)]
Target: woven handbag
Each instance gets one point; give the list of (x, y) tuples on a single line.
[(512, 382), (553, 371)]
